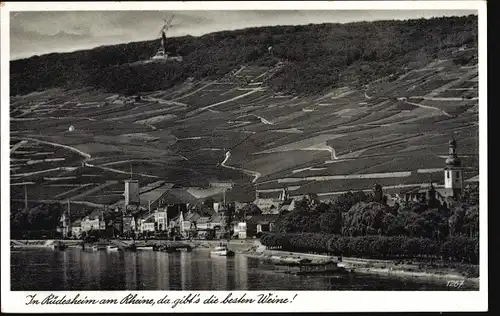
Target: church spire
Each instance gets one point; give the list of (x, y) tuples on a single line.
[(452, 160), (453, 177)]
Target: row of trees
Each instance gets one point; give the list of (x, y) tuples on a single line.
[(459, 248), (361, 224), (35, 222), (318, 56), (360, 214)]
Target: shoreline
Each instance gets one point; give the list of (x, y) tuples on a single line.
[(369, 266), (253, 249)]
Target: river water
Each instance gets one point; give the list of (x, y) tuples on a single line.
[(74, 269)]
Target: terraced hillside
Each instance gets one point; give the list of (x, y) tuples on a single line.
[(80, 144)]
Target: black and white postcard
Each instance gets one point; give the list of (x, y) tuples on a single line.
[(244, 156)]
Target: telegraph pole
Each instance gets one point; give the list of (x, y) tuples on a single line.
[(69, 218), (26, 197), (69, 210)]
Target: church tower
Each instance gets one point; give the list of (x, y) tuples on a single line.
[(453, 177), (284, 195)]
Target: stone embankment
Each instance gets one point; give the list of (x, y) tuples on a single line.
[(390, 268)]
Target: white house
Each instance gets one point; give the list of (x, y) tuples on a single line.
[(94, 221), (147, 224), (76, 228), (240, 230), (160, 217)]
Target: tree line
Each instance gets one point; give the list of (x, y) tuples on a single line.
[(316, 56), (362, 224), (455, 249), (358, 214)]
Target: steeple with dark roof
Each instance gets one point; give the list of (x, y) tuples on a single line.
[(453, 177), (452, 160)]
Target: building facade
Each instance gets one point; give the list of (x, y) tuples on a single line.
[(161, 219), (275, 205), (94, 221), (131, 193), (76, 229)]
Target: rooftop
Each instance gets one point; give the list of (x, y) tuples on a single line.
[(262, 219)]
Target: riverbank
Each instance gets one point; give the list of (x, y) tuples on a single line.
[(417, 270), (254, 249), (236, 245)]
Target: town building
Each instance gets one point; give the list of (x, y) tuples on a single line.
[(161, 219), (131, 193), (204, 227), (93, 221), (76, 229), (440, 195), (129, 225), (453, 177), (260, 223), (275, 205), (186, 223), (147, 224), (286, 206), (240, 229), (65, 225)]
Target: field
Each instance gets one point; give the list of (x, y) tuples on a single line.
[(82, 144)]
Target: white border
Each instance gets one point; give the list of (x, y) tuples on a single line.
[(339, 301)]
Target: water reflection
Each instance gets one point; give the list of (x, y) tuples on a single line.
[(241, 265), (74, 269), (130, 263)]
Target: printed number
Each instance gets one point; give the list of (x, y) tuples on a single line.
[(455, 283)]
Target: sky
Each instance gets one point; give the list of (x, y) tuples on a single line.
[(37, 33)]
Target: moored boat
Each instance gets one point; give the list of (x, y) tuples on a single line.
[(144, 248), (111, 248), (223, 251), (90, 247), (59, 246), (329, 267)]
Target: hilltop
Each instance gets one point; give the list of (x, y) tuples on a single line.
[(317, 57), (334, 107)]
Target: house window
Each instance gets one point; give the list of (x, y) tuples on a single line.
[(447, 174), (458, 174), (271, 227), (259, 228)]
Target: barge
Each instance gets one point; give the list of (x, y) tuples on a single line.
[(329, 267)]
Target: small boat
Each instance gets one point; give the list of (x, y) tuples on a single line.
[(59, 246), (111, 248), (91, 248), (222, 251), (144, 248)]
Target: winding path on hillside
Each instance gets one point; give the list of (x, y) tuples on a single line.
[(255, 174), (192, 92), (65, 201), (73, 149), (17, 146), (224, 102), (427, 107), (126, 172)]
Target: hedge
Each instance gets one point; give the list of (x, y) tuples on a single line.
[(453, 249)]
